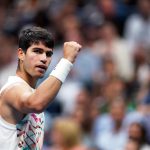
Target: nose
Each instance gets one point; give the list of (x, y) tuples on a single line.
[(43, 58)]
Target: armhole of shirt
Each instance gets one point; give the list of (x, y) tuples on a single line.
[(2, 92)]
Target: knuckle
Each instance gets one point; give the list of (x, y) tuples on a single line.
[(65, 43)]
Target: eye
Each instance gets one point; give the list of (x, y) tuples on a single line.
[(49, 53), (38, 51)]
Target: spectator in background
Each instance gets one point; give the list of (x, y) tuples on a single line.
[(8, 59), (146, 121), (85, 112), (110, 131), (137, 28), (65, 135), (114, 11), (108, 8), (115, 47), (107, 72), (132, 144), (138, 132), (110, 90), (142, 69)]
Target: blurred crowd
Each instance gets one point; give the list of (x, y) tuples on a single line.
[(105, 102)]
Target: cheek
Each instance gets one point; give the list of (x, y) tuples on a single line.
[(34, 59), (31, 61)]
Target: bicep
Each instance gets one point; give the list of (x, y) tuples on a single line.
[(18, 98)]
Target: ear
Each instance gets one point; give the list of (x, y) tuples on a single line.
[(21, 54)]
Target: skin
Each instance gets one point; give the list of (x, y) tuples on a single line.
[(18, 100)]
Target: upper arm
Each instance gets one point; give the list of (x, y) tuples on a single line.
[(22, 98), (18, 97)]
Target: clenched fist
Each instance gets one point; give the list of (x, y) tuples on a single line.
[(71, 50)]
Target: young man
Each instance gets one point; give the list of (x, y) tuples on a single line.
[(22, 106)]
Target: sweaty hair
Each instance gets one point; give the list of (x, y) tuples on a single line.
[(34, 35)]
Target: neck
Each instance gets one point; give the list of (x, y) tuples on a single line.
[(29, 79)]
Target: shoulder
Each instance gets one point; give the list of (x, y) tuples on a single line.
[(13, 82), (14, 91)]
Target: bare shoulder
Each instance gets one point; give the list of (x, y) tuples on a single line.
[(11, 101), (15, 93)]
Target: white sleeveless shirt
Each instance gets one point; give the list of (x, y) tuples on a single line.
[(27, 134)]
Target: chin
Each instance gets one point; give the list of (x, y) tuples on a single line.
[(39, 75)]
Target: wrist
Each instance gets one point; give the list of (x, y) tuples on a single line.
[(67, 60), (62, 69), (70, 59)]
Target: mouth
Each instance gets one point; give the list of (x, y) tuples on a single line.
[(42, 68)]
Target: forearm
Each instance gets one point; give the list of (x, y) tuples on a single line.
[(44, 94)]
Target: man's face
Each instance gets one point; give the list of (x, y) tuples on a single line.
[(37, 59), (117, 111)]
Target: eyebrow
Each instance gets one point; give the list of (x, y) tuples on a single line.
[(41, 49), (37, 48)]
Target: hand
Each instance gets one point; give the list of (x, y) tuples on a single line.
[(71, 50)]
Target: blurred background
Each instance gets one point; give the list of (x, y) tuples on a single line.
[(105, 102)]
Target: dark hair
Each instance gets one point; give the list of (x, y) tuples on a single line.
[(34, 35), (142, 129)]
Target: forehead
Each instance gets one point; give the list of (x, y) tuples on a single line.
[(41, 46)]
